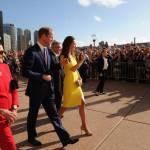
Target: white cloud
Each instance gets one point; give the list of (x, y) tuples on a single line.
[(84, 2), (80, 43), (97, 18), (144, 23), (106, 3)]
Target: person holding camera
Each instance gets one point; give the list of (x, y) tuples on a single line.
[(102, 66)]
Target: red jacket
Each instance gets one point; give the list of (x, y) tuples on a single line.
[(7, 97)]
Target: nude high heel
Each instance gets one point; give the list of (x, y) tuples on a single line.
[(87, 132)]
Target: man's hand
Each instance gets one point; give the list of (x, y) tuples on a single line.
[(47, 77)]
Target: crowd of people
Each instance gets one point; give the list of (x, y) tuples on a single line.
[(54, 72), (129, 62)]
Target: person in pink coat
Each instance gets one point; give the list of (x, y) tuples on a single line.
[(8, 106)]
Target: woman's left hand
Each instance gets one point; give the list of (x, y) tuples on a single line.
[(15, 112), (9, 115)]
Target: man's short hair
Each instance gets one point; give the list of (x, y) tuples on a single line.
[(55, 43), (104, 49), (44, 31)]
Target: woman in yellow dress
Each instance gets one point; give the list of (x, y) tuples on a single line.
[(72, 92)]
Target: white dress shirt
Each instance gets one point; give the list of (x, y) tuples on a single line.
[(41, 46), (105, 63)]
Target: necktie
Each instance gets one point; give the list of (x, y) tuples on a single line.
[(45, 55)]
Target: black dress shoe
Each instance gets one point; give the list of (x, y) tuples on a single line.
[(71, 141), (34, 142)]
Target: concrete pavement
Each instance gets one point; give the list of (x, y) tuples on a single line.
[(119, 120)]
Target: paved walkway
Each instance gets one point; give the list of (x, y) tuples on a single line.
[(119, 120)]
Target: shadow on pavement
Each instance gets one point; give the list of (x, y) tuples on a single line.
[(23, 143), (16, 129)]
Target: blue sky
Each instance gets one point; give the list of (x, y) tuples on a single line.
[(116, 21)]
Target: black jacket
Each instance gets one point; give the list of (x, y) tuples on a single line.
[(33, 68), (58, 73)]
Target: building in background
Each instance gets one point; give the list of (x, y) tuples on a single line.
[(23, 43), (11, 30), (20, 39), (27, 36), (35, 36), (1, 28), (7, 42)]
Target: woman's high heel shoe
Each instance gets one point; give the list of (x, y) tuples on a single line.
[(87, 132)]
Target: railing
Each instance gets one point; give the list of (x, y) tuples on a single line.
[(135, 71)]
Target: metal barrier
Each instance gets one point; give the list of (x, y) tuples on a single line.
[(133, 71)]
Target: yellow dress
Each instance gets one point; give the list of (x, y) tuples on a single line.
[(72, 94)]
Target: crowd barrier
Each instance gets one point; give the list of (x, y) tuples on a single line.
[(135, 71)]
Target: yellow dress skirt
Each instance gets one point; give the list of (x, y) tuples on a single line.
[(72, 94)]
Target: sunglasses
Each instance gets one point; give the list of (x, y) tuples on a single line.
[(1, 52)]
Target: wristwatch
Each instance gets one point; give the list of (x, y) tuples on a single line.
[(14, 107)]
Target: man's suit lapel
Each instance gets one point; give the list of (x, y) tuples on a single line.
[(41, 56), (48, 59)]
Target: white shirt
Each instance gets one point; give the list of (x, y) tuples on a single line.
[(41, 46), (57, 55), (43, 51), (105, 63)]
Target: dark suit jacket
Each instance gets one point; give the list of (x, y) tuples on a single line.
[(33, 68), (58, 73), (100, 64)]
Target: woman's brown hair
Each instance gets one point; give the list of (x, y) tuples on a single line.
[(66, 46)]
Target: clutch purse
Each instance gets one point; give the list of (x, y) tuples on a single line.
[(14, 84), (79, 82)]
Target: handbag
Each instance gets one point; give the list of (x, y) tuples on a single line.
[(14, 84), (79, 82)]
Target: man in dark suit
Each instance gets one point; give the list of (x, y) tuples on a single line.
[(102, 66), (40, 89), (58, 73)]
